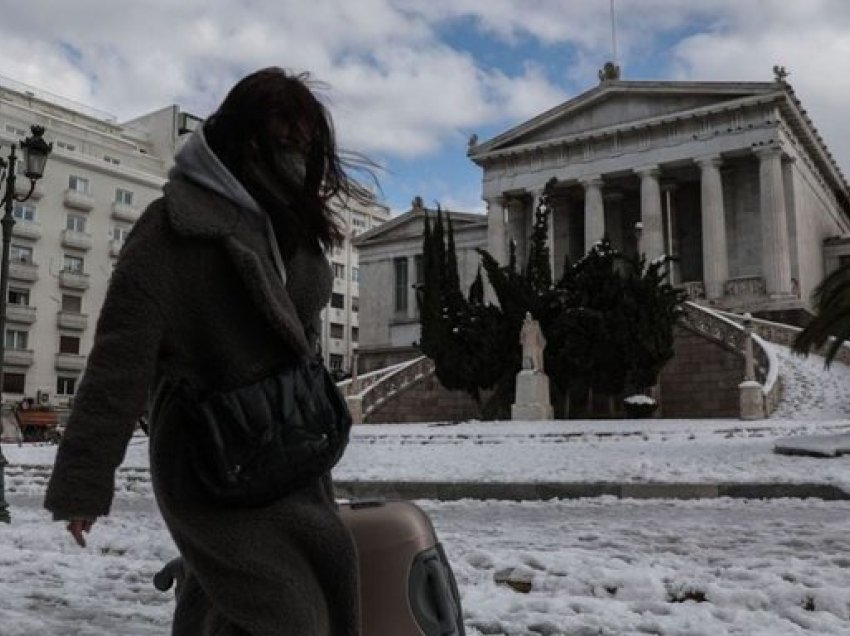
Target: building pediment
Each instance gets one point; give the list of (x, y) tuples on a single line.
[(622, 103), (411, 225)]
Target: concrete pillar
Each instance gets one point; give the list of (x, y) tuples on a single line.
[(496, 239), (652, 231), (594, 212), (715, 256), (776, 254)]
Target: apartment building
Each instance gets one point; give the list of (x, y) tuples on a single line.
[(99, 178), (341, 318)]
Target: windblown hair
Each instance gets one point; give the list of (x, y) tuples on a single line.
[(269, 111)]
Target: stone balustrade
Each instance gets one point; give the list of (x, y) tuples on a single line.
[(374, 389)]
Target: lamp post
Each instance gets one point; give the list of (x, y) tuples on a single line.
[(35, 151)]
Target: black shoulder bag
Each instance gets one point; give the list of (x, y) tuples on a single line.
[(258, 443)]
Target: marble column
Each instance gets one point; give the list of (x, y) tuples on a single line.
[(776, 254), (715, 257), (652, 235), (594, 212), (671, 225)]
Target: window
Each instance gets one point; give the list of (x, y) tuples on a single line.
[(355, 303), (64, 145), (20, 253), (113, 160), (79, 184), (16, 130), (65, 385), (355, 274), (75, 223), (16, 339), (14, 382), (400, 268), (120, 234), (337, 330), (337, 301), (335, 362), (73, 264), (19, 296), (355, 334), (23, 211), (339, 271), (69, 344), (123, 196), (72, 304)]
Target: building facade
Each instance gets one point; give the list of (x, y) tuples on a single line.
[(391, 266), (731, 178), (341, 323), (99, 178)]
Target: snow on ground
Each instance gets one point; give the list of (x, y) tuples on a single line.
[(600, 566), (597, 566)]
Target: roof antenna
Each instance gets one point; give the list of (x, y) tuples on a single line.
[(611, 70), (614, 34)]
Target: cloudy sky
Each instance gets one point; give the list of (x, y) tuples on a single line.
[(408, 81)]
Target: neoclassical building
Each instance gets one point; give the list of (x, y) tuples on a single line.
[(732, 178)]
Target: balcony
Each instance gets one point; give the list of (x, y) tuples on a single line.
[(23, 271), (76, 240), (78, 200), (124, 212), (27, 229), (18, 357), (20, 313), (70, 362), (73, 280), (115, 247), (72, 321)]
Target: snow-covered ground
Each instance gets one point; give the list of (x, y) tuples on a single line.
[(600, 566)]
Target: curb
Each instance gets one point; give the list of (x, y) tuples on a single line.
[(452, 491)]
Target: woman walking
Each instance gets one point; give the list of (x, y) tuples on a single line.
[(219, 285)]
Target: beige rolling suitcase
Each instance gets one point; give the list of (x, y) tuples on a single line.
[(407, 586)]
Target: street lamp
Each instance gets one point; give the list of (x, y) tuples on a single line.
[(35, 151)]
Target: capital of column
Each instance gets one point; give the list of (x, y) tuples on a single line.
[(668, 185), (709, 161), (594, 181), (768, 151), (648, 171)]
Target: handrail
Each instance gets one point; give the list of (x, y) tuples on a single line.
[(727, 331), (391, 381), (352, 386)]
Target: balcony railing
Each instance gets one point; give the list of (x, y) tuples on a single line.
[(70, 362), (115, 247), (78, 200), (27, 229), (73, 280), (23, 271), (71, 320), (20, 313), (22, 187), (76, 240), (125, 212), (18, 357)]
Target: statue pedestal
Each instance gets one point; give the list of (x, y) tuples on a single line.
[(532, 397), (752, 400)]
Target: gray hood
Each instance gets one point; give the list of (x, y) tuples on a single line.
[(196, 162)]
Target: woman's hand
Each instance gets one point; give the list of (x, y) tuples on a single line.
[(77, 527)]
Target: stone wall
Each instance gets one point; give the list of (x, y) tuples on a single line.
[(426, 401), (702, 379)]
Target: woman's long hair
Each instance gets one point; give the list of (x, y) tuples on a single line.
[(269, 115)]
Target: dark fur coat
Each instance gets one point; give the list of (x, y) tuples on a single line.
[(196, 295)]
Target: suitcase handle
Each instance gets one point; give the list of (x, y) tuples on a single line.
[(447, 609)]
